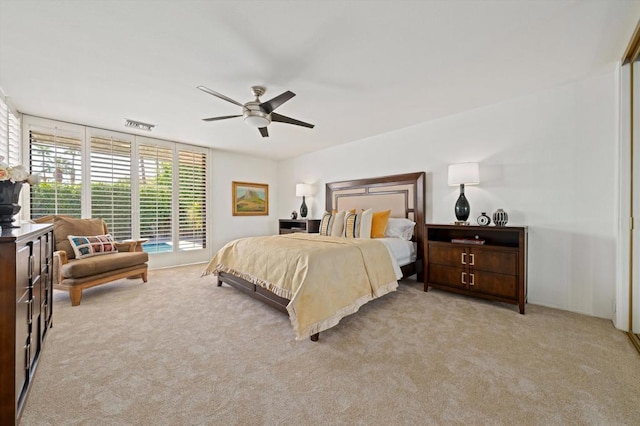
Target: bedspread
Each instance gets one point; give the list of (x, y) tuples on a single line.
[(324, 278)]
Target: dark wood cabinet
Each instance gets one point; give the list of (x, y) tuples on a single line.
[(288, 226), (26, 291), (495, 270)]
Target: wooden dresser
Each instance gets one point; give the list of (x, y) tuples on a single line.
[(495, 270), (26, 290)]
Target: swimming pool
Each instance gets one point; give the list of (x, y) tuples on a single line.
[(157, 247)]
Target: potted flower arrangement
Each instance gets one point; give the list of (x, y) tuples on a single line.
[(11, 180)]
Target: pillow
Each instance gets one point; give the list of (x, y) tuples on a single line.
[(400, 228), (365, 223), (65, 225), (334, 211), (338, 224), (92, 246), (379, 223), (351, 225), (325, 224)]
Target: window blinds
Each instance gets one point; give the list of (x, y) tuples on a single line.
[(56, 156), (9, 135), (192, 196), (155, 174), (111, 184)]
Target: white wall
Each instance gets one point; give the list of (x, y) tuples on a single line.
[(549, 159), (226, 168)]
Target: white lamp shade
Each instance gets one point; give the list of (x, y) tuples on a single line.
[(464, 173), (303, 189)]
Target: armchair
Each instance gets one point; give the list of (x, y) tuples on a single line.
[(73, 274)]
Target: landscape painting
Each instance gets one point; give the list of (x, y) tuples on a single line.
[(250, 199)]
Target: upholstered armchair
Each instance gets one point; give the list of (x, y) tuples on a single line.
[(98, 261)]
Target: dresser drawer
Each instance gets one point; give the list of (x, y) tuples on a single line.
[(501, 261), (446, 254), (496, 284)]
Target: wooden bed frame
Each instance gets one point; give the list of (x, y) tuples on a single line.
[(403, 194)]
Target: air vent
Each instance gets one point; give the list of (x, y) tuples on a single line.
[(138, 125)]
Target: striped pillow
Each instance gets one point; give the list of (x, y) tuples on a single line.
[(326, 224), (351, 225)]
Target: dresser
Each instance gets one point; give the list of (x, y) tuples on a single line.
[(26, 290), (496, 269), (288, 226)]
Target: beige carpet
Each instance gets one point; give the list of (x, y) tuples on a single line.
[(181, 351)]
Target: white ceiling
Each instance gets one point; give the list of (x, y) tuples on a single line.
[(359, 68)]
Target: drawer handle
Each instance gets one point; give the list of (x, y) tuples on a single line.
[(27, 353), (472, 259), (463, 277), (472, 282), (463, 258), (30, 311)]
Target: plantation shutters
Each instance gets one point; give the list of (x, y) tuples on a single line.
[(110, 164), (4, 131), (155, 174), (143, 188), (9, 135), (56, 156), (192, 197)]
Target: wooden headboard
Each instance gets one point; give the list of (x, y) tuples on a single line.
[(402, 194)]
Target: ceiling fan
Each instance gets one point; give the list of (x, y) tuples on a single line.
[(256, 113)]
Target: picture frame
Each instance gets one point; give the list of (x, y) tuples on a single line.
[(250, 199)]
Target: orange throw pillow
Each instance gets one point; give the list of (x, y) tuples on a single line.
[(379, 223)]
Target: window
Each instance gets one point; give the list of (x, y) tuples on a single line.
[(110, 161), (141, 187), (156, 195), (56, 156), (192, 189), (9, 135)]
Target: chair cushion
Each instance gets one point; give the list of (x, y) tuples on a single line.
[(79, 268), (64, 226)]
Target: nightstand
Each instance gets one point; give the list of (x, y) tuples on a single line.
[(289, 226), (494, 270)]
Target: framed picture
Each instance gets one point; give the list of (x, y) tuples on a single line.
[(250, 199)]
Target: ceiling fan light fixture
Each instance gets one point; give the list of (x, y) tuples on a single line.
[(256, 121)]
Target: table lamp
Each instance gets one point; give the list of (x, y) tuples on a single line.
[(302, 190), (463, 174)]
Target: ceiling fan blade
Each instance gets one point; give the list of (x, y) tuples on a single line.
[(224, 117), (283, 119), (274, 103), (219, 95), (264, 132)]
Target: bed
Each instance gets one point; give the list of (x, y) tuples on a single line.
[(269, 268)]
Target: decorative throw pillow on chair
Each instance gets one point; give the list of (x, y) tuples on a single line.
[(84, 246)]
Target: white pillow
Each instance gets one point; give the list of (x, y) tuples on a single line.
[(400, 228), (338, 224), (365, 223)]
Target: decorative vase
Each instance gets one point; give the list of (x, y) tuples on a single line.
[(9, 207), (462, 207), (500, 217)]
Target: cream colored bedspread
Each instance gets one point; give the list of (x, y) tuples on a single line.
[(325, 278)]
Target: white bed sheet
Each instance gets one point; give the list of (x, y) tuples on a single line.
[(402, 251)]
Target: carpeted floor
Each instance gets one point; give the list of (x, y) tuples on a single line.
[(181, 351)]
